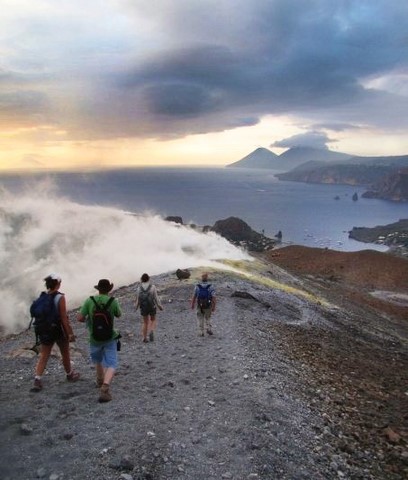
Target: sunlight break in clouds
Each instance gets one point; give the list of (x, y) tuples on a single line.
[(41, 234)]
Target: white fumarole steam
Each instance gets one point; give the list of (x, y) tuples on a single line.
[(41, 233)]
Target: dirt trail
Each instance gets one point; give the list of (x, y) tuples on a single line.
[(233, 406)]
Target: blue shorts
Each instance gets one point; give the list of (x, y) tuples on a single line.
[(106, 354)]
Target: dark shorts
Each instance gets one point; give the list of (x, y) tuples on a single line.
[(148, 311), (50, 336)]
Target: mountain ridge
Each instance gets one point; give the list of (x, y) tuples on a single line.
[(259, 158), (264, 158), (296, 156)]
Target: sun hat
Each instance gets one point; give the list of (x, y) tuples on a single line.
[(104, 285), (53, 276)]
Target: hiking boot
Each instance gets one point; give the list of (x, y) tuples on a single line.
[(73, 376), (151, 336), (209, 331), (105, 395), (99, 382), (37, 385), (145, 340)]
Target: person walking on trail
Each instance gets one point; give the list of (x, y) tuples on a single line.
[(148, 301), (58, 330), (99, 312), (204, 298)]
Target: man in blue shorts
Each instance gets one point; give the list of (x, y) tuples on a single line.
[(103, 351)]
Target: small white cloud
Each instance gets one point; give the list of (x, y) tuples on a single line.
[(308, 139)]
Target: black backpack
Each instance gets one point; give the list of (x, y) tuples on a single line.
[(45, 317), (146, 301), (204, 297), (102, 321)]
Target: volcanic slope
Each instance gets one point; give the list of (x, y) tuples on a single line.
[(290, 386)]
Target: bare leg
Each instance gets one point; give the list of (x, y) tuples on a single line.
[(100, 374), (200, 318), (66, 358), (145, 328), (105, 395), (104, 375), (153, 324), (109, 373), (45, 353), (208, 322)]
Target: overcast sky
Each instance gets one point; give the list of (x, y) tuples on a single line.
[(111, 82)]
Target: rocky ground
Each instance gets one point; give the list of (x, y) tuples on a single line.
[(305, 377)]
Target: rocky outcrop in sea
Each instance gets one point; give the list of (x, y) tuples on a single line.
[(241, 234), (238, 232)]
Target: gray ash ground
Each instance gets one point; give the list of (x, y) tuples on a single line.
[(287, 388)]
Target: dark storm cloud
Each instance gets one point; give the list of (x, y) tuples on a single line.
[(279, 57), (184, 82), (201, 66), (179, 99)]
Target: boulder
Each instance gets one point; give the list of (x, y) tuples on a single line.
[(182, 274)]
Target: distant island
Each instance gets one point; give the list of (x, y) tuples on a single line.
[(386, 177), (264, 158)]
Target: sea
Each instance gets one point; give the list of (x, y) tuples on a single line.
[(111, 224), (315, 215)]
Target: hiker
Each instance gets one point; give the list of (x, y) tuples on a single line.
[(204, 296), (148, 301), (99, 311), (57, 330)]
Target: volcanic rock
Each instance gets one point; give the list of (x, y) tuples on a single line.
[(182, 274), (241, 234), (174, 219)]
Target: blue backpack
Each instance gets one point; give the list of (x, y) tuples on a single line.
[(204, 296), (45, 317)]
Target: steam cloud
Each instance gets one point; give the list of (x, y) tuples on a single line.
[(41, 233)]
